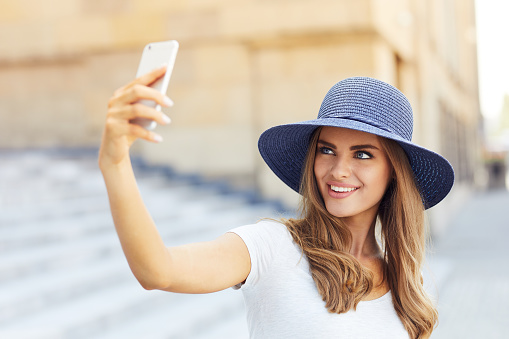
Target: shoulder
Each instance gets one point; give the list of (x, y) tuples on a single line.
[(267, 242), (266, 236), (266, 228)]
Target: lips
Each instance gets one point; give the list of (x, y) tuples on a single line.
[(340, 192), (342, 189)]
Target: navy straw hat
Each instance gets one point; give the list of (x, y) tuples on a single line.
[(367, 105)]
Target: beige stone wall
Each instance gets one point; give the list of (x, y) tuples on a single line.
[(243, 66), (449, 114), (292, 82), (212, 130), (59, 102)]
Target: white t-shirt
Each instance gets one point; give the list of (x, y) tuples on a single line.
[(282, 300)]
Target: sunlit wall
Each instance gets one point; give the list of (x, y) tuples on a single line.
[(243, 66)]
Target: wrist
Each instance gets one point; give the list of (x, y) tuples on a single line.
[(107, 166)]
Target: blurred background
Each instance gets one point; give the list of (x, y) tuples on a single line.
[(243, 66)]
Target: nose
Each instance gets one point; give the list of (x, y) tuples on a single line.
[(341, 168)]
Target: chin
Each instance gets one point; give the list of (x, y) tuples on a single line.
[(341, 215), (345, 212), (339, 212)]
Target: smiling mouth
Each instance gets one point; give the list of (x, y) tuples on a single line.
[(343, 189)]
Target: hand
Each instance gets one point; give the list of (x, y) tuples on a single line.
[(119, 133)]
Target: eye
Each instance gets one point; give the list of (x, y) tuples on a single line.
[(363, 155), (325, 150)]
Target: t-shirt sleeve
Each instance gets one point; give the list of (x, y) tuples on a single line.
[(263, 242)]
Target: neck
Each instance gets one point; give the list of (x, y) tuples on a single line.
[(364, 245)]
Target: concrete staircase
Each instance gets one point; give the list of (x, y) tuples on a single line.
[(62, 271)]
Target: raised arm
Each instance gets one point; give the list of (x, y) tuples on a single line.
[(193, 268)]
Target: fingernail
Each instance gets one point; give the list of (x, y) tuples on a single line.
[(163, 65), (157, 138), (166, 119), (167, 101)]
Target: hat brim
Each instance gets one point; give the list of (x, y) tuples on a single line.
[(284, 149)]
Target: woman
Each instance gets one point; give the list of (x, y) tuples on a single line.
[(323, 275)]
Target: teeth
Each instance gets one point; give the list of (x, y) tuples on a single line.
[(342, 189)]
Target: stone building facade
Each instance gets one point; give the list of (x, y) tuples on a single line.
[(243, 66)]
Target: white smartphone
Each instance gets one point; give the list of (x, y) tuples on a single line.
[(155, 55)]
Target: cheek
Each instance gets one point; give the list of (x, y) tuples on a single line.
[(319, 168), (378, 176), (387, 173)]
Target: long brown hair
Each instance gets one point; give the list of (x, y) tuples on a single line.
[(325, 240)]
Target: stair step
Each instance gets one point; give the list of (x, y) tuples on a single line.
[(63, 273), (174, 315), (192, 317), (22, 297)]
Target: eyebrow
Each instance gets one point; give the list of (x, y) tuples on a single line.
[(352, 148)]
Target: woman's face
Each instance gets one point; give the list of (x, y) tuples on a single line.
[(352, 172)]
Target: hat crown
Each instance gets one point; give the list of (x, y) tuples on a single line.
[(369, 101)]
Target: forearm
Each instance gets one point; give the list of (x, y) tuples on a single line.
[(189, 268), (143, 247)]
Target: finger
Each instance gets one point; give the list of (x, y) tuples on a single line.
[(138, 110), (141, 133), (143, 80), (140, 92), (150, 77), (117, 129)]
